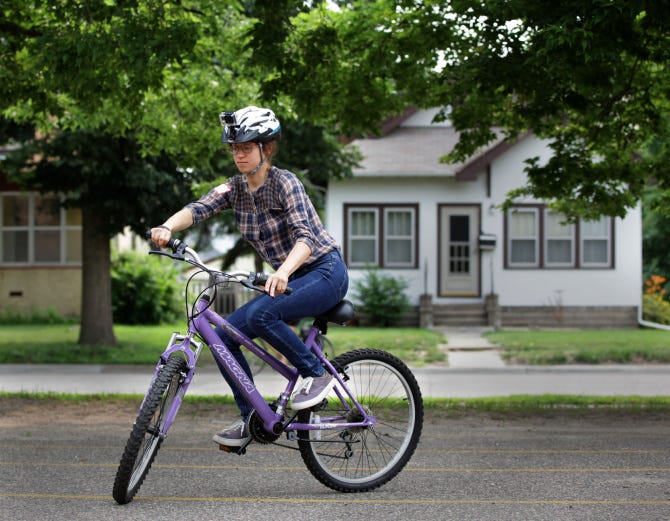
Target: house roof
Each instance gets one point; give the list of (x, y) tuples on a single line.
[(416, 151), (407, 151), (470, 169)]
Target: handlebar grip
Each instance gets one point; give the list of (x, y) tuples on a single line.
[(173, 244), (259, 279)]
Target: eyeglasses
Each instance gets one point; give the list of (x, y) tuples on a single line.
[(244, 148)]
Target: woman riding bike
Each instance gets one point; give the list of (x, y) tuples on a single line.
[(275, 215)]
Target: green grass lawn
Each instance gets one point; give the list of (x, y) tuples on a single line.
[(623, 346), (57, 343)]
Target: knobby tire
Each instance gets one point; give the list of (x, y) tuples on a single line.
[(145, 439), (362, 459)]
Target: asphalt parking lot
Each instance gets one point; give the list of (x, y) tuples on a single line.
[(59, 460)]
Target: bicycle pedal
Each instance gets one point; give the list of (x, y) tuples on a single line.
[(233, 450)]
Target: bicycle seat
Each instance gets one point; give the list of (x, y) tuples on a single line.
[(339, 314)]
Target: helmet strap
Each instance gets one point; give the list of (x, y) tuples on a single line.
[(260, 145)]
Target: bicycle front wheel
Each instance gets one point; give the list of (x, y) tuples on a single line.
[(147, 434), (362, 459)]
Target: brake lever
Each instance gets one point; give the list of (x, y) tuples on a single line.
[(175, 256)]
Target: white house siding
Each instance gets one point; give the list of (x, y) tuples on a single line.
[(428, 193), (617, 287), (620, 286)]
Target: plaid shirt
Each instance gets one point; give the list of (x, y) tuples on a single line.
[(273, 218)]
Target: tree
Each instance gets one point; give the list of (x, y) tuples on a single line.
[(102, 81), (589, 76), (125, 98), (115, 187), (655, 238)]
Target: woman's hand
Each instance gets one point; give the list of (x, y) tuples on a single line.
[(276, 283), (161, 235)]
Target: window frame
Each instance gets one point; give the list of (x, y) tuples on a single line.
[(542, 240), (609, 249), (33, 229), (536, 238), (547, 238), (381, 211)]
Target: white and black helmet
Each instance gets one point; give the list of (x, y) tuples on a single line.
[(250, 124)]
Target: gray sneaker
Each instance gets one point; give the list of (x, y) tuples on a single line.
[(313, 391), (235, 435)]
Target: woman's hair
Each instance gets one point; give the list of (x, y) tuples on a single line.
[(270, 149)]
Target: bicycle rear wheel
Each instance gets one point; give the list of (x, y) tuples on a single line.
[(362, 459), (147, 434)]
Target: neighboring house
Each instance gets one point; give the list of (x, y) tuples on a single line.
[(40, 253), (41, 257), (440, 227)]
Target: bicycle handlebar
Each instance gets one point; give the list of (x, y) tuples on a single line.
[(253, 280)]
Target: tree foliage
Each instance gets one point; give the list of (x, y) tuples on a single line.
[(589, 76), (125, 97)]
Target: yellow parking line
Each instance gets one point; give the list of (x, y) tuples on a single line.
[(349, 500), (510, 470)]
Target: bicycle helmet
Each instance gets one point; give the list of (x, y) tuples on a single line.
[(250, 124)]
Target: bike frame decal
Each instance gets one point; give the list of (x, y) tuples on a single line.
[(231, 364)]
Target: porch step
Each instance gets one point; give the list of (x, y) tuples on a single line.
[(460, 315)]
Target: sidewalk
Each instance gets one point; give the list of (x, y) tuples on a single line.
[(474, 370), (466, 347)]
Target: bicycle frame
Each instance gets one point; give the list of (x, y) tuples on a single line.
[(189, 348), (345, 446)]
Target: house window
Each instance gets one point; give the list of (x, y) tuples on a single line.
[(538, 237), (363, 237), (559, 241), (459, 244), (35, 230), (381, 235), (523, 237), (595, 244)]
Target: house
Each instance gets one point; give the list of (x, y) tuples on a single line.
[(440, 227), (40, 254)]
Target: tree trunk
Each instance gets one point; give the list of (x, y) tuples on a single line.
[(97, 324)]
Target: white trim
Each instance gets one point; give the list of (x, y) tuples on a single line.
[(548, 238), (374, 237), (608, 246), (535, 238), (411, 237)]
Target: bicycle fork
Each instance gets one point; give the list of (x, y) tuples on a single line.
[(189, 349)]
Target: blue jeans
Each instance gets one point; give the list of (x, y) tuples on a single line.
[(315, 289)]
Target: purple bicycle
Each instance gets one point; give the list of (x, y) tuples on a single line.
[(360, 436)]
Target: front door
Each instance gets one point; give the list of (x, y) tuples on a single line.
[(459, 255)]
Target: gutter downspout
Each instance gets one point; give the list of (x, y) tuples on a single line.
[(646, 323)]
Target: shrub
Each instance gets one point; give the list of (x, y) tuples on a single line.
[(145, 289), (382, 298), (655, 309)]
